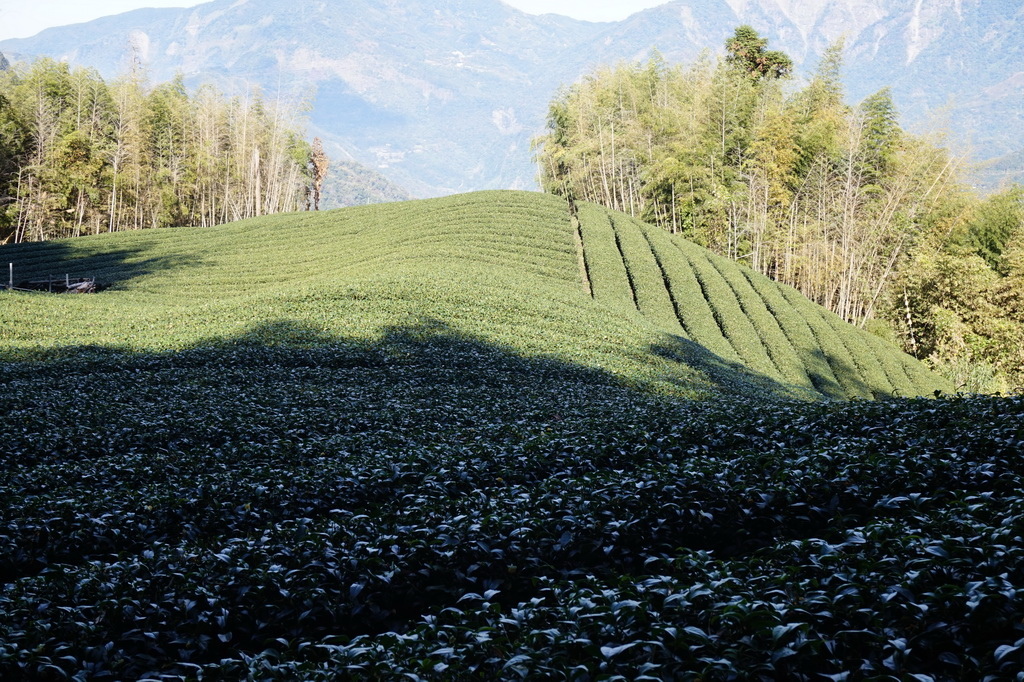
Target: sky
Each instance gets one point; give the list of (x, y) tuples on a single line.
[(23, 18)]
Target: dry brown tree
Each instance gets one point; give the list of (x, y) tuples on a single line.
[(319, 163)]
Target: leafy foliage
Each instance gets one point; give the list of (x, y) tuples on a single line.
[(402, 440), (998, 220), (83, 156), (959, 302), (839, 202), (794, 183), (748, 51), (429, 506)]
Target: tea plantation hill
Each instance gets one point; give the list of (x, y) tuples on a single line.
[(514, 270), (450, 439)]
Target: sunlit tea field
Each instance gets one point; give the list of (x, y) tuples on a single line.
[(483, 437)]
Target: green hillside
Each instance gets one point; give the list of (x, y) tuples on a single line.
[(415, 441), (503, 268)]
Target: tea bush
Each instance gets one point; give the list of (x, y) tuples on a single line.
[(499, 266), (436, 507), (402, 440)]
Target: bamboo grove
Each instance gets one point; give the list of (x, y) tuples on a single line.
[(835, 200), (79, 155)]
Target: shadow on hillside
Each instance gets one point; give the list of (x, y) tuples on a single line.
[(430, 349), (739, 379), (851, 380), (724, 375), (40, 261)]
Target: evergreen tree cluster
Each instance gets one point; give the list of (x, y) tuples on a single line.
[(835, 200), (79, 155)]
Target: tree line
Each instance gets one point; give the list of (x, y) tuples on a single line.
[(835, 200), (79, 155)]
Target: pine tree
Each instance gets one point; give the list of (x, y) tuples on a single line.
[(748, 51), (881, 135)]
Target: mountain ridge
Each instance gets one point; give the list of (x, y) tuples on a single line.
[(445, 97)]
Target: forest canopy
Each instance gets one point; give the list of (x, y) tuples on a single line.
[(79, 155), (834, 199)]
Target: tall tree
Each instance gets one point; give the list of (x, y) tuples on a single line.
[(796, 184), (820, 111), (79, 155), (748, 51), (14, 145), (319, 164), (881, 136)]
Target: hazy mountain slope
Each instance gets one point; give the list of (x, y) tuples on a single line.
[(433, 94), (962, 60), (678, 30), (952, 64), (1004, 169), (502, 268), (806, 27), (444, 97)]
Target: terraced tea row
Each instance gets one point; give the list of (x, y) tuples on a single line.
[(501, 267), (738, 315)]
